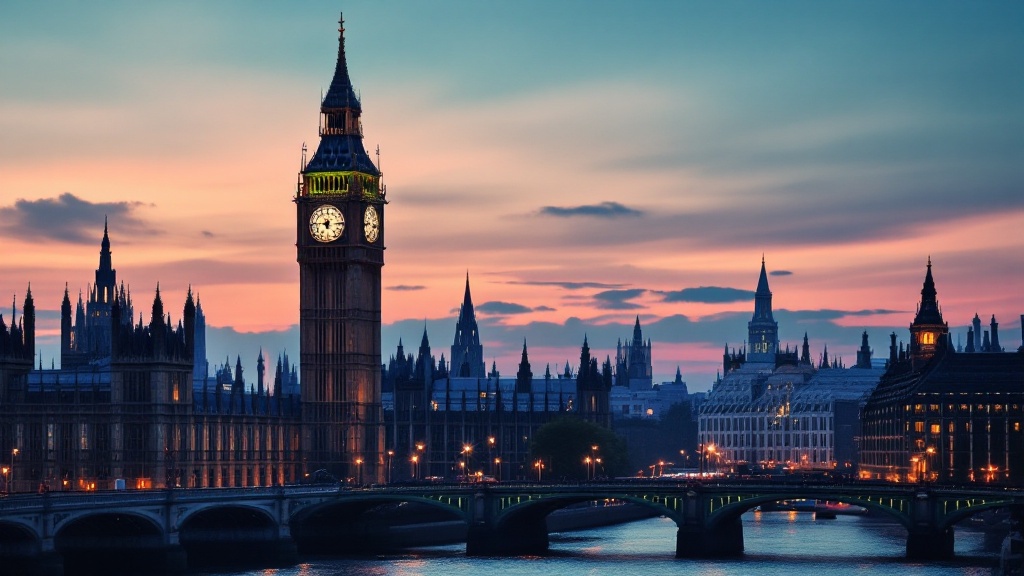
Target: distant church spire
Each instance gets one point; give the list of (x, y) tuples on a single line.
[(467, 354), (762, 330)]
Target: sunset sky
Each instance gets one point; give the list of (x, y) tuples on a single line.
[(585, 162)]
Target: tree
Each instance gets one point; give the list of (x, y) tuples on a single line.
[(564, 443)]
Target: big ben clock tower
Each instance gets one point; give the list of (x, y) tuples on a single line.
[(340, 243)]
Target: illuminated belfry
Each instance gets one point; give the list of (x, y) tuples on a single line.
[(928, 326), (340, 243)]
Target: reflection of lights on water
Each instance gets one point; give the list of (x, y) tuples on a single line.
[(792, 515)]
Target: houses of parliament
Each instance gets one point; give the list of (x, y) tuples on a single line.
[(132, 404)]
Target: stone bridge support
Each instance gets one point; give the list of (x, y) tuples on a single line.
[(523, 540), (930, 544), (724, 539), (926, 540), (525, 534)]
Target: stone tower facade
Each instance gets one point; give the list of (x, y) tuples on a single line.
[(340, 243)]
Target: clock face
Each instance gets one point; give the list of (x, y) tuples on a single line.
[(326, 223), (371, 224)]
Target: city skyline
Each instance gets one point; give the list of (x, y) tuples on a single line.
[(584, 163)]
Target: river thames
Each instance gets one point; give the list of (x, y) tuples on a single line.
[(789, 543)]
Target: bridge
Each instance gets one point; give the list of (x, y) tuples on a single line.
[(43, 534)]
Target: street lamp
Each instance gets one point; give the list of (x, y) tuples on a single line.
[(929, 452), (420, 448), (497, 466), (10, 480), (467, 450), (711, 452), (359, 471), (539, 465), (7, 482), (415, 469), (391, 454), (490, 450), (587, 461)]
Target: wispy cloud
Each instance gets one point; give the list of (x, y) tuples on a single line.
[(618, 299), (602, 210), (709, 295), (68, 218), (780, 273), (502, 308), (406, 287), (567, 285)]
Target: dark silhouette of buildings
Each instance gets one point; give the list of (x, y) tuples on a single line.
[(943, 415), (125, 404), (443, 424)]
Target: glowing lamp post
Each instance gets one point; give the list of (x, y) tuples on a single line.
[(587, 463), (391, 455), (359, 471), (467, 450), (420, 448), (10, 478), (490, 450), (415, 469), (497, 468), (539, 465)]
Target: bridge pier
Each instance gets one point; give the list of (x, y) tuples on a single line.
[(42, 564), (523, 540), (930, 544), (722, 540), (175, 559)]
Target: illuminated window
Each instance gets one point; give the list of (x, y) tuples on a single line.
[(927, 338), (1016, 426), (935, 428), (918, 426)]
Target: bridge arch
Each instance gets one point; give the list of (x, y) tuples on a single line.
[(537, 509), (365, 523), (961, 509), (111, 541), (230, 534), (19, 544), (731, 510)]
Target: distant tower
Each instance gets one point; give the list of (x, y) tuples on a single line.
[(340, 243), (467, 353), (88, 338), (200, 368), (928, 326), (633, 363), (976, 324), (993, 326), (864, 354), (524, 378), (762, 330), (425, 368), (592, 400)]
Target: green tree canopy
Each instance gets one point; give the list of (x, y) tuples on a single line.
[(564, 444)]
